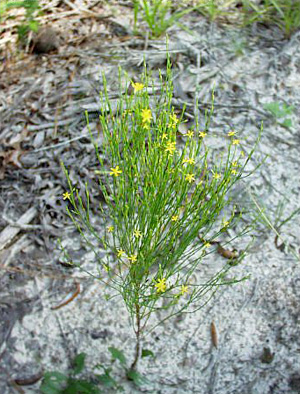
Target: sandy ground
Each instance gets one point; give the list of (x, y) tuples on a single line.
[(257, 321)]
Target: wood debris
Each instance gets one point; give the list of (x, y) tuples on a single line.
[(8, 234), (69, 298), (214, 335)]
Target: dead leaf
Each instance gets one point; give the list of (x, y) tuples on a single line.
[(228, 254)]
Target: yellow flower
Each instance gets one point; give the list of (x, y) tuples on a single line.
[(115, 171), (66, 195), (207, 245), (234, 171), (234, 164), (137, 233), (110, 229), (120, 253), (216, 175), (132, 258), (202, 134), (189, 160), (164, 136), (173, 121), (174, 218), (161, 285), (126, 112), (174, 118), (184, 289), (146, 115), (137, 86), (231, 133), (225, 222), (190, 134), (170, 147), (190, 178), (235, 142)]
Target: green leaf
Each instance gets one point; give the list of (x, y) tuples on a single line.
[(273, 108), (106, 380), (288, 109), (55, 377), (137, 378), (147, 353), (33, 26), (49, 390), (53, 383), (278, 110), (2, 9), (15, 4), (117, 355), (81, 387), (287, 123), (22, 31), (78, 363)]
